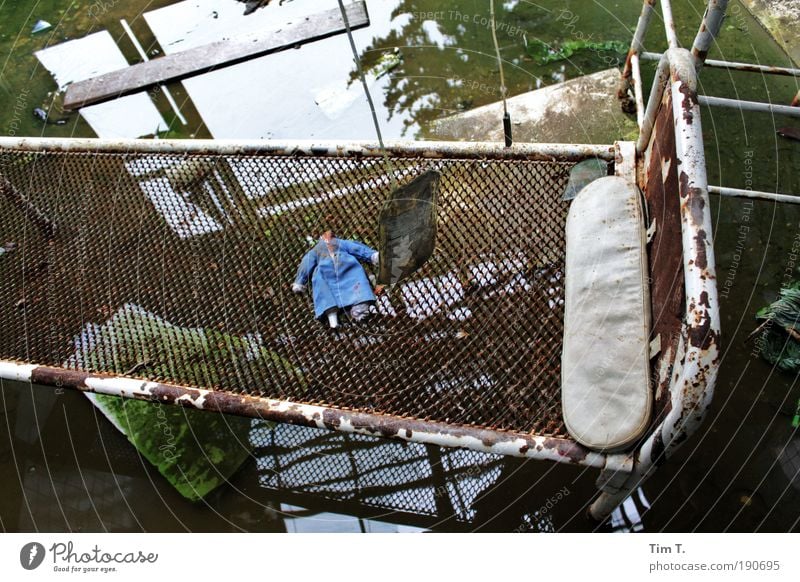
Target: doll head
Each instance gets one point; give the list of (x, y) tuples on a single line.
[(330, 240)]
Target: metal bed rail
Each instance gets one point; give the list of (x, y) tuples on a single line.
[(709, 29)]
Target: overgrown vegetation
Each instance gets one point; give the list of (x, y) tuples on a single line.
[(779, 334)]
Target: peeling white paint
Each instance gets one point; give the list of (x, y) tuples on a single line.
[(197, 402), (117, 386), (16, 372)]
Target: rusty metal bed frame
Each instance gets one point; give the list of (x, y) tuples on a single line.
[(159, 270)]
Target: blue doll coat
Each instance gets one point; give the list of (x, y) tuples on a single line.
[(337, 277)]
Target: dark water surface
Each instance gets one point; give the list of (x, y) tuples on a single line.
[(64, 467)]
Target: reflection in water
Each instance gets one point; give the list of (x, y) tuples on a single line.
[(302, 93), (628, 517), (454, 487), (301, 520), (300, 479), (427, 62), (789, 459), (394, 476), (93, 55)]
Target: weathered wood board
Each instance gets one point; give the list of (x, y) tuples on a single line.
[(212, 56)]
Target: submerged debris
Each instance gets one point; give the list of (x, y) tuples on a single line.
[(251, 6), (41, 114), (407, 230), (194, 450), (40, 26)]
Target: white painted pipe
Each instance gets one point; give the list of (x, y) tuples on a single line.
[(756, 106), (330, 148), (754, 194)]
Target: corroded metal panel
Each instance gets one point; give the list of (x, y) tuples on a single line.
[(660, 186)]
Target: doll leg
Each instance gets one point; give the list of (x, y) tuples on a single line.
[(359, 311), (333, 318)]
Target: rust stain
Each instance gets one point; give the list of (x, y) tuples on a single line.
[(688, 102), (172, 393), (701, 336), (684, 183), (59, 377), (567, 449), (665, 256), (701, 259), (696, 205)]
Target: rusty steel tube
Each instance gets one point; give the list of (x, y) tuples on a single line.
[(637, 90), (426, 432), (753, 194), (653, 102), (636, 46), (317, 148), (734, 66), (709, 29), (669, 24), (755, 106)]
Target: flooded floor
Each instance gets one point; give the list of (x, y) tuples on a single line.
[(65, 467)]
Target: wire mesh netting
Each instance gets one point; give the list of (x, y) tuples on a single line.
[(178, 268)]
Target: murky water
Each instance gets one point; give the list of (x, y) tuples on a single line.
[(65, 467)]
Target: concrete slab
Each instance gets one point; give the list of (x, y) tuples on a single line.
[(582, 110), (781, 18)]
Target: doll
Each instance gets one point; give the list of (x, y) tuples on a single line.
[(338, 280)]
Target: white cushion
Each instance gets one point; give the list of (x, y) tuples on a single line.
[(605, 368)]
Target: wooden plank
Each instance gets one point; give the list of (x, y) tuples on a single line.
[(216, 55)]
